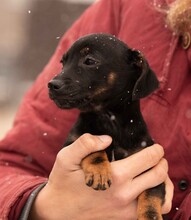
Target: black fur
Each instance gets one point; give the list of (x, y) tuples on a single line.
[(105, 79)]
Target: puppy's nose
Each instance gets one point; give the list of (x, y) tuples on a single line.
[(55, 84)]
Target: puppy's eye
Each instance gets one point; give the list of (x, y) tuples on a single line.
[(90, 61)]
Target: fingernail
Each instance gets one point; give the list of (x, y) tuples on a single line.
[(105, 138)]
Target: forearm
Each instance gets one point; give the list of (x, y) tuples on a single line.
[(15, 186)]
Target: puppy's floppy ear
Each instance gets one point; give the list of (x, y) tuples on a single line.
[(147, 81)]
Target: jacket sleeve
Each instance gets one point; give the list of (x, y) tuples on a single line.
[(28, 151), (184, 211)]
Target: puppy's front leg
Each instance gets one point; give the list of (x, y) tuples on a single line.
[(97, 170), (150, 203)]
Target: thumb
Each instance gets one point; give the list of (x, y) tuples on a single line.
[(83, 146)]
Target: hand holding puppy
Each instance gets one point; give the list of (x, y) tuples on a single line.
[(67, 197)]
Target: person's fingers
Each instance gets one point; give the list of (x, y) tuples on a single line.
[(139, 162), (146, 180), (168, 197), (151, 178), (83, 146)]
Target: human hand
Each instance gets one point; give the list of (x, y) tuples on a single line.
[(67, 197)]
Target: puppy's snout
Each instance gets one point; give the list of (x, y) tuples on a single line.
[(57, 84)]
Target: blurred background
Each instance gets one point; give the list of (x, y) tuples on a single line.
[(29, 33)]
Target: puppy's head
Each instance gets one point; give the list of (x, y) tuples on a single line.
[(99, 70)]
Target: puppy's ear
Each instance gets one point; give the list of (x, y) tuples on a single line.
[(147, 81)]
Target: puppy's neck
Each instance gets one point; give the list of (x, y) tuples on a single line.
[(126, 110), (132, 125)]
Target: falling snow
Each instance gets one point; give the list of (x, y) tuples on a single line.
[(143, 143), (112, 117)]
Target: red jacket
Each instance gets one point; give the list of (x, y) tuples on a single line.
[(28, 151)]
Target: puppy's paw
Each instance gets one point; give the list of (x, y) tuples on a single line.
[(98, 176), (97, 171)]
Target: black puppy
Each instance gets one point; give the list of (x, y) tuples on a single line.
[(105, 79)]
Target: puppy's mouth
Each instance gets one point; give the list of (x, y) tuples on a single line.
[(72, 100), (70, 103)]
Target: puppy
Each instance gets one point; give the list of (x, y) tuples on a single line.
[(106, 79)]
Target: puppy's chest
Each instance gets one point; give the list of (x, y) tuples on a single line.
[(124, 134), (112, 125), (128, 136), (99, 123)]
